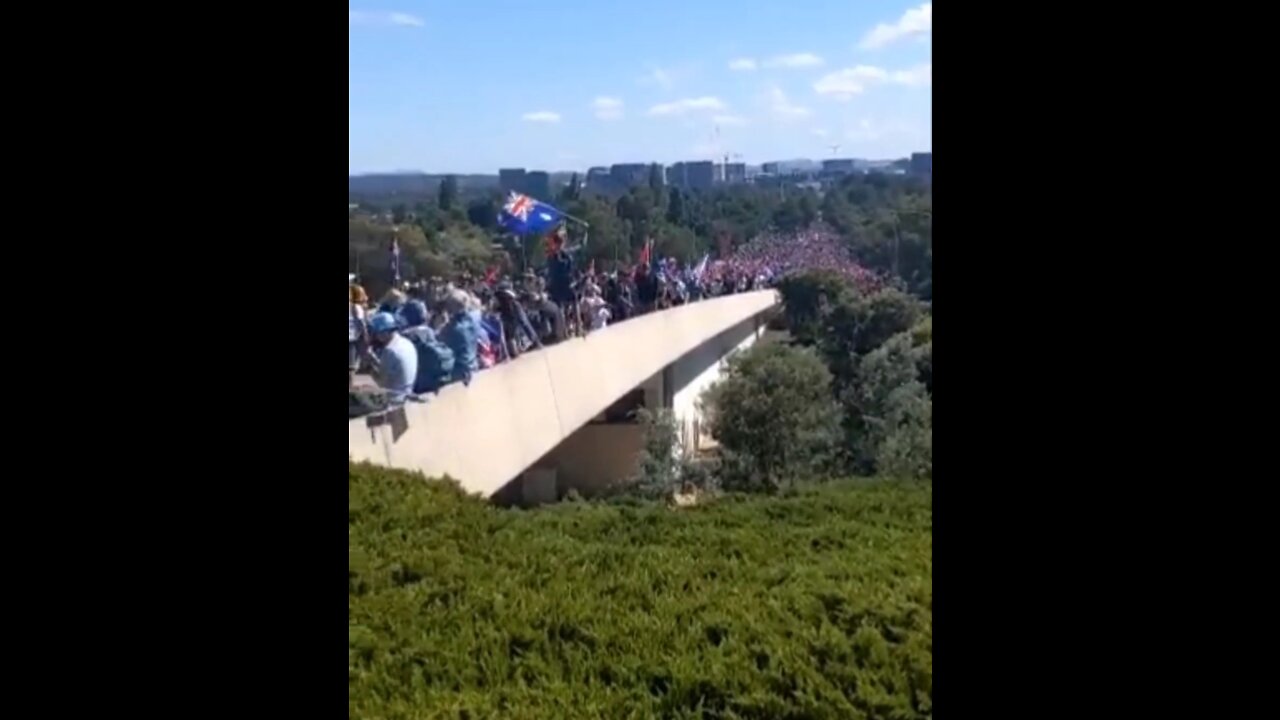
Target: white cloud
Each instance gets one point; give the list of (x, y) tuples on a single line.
[(819, 132), (920, 75), (357, 17), (844, 84), (680, 107), (542, 116), (732, 120), (914, 22), (405, 19), (742, 64), (607, 108), (797, 60), (783, 107)]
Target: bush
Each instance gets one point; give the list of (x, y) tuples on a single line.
[(889, 413), (906, 450), (662, 469), (817, 605), (858, 324), (808, 297), (774, 417)]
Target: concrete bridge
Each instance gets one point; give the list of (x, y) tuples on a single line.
[(534, 428)]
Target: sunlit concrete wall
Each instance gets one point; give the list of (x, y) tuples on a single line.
[(690, 376), (486, 434)]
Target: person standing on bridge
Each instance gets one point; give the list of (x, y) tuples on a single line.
[(357, 330), (560, 278), (395, 359), (515, 322), (462, 335)]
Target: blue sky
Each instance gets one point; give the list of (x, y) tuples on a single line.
[(469, 86)]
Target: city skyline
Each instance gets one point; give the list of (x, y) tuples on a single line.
[(429, 92)]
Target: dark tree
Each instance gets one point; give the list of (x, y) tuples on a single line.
[(448, 193)]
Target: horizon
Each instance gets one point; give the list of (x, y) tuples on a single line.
[(582, 171), (762, 82)]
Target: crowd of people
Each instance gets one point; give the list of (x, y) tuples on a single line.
[(424, 335), (780, 255)]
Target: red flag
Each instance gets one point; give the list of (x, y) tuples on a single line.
[(646, 251), (491, 275)]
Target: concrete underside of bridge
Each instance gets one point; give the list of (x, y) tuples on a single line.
[(531, 430)]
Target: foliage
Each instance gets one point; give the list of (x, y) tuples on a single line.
[(662, 468), (889, 225), (888, 222), (889, 412), (906, 450), (448, 196), (922, 342), (815, 605), (658, 467), (807, 298), (774, 417), (879, 349), (856, 324)]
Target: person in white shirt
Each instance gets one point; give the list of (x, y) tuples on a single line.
[(357, 330)]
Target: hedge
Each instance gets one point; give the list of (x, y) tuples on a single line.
[(815, 604)]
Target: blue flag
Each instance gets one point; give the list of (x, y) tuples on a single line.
[(523, 215)]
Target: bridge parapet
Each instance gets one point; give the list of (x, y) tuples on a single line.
[(486, 434)]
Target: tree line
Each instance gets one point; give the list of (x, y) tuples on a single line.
[(850, 393), (887, 221)]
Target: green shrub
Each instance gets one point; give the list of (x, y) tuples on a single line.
[(808, 297), (889, 413), (816, 605), (859, 324), (774, 417)]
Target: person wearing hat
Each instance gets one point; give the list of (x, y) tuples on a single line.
[(396, 360), (413, 312), (462, 335)]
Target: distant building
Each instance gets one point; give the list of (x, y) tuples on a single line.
[(700, 175), (628, 175), (677, 177), (662, 175), (922, 163), (769, 168), (735, 173), (511, 180), (598, 180), (537, 185), (838, 166)]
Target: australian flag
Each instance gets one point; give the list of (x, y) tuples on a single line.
[(523, 215)]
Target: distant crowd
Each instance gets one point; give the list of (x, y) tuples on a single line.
[(424, 335)]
